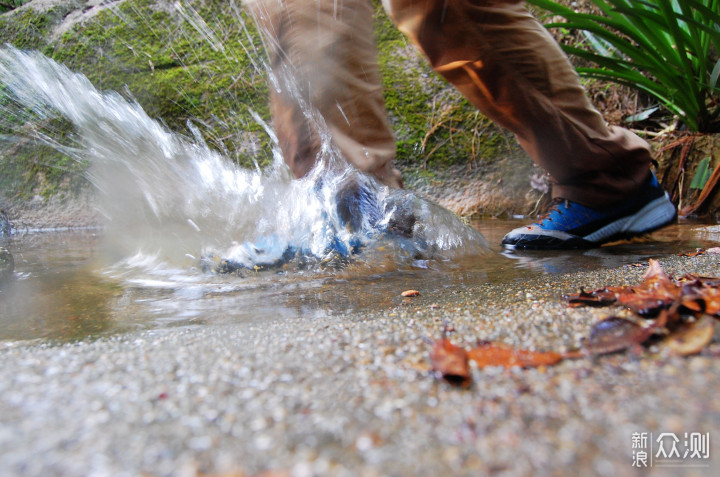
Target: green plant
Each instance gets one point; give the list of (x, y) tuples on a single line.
[(7, 5), (702, 174), (666, 48)]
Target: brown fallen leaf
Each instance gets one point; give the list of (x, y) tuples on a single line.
[(599, 297), (451, 362), (656, 292), (499, 354), (644, 303), (634, 265), (700, 281), (614, 334), (409, 293), (690, 338)]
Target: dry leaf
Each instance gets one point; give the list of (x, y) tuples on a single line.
[(600, 297), (615, 334), (657, 291), (711, 299), (498, 354), (451, 362), (691, 338), (697, 252), (701, 295), (654, 271)]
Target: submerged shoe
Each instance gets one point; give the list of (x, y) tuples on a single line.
[(355, 215), (569, 225)]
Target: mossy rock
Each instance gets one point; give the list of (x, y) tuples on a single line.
[(148, 51)]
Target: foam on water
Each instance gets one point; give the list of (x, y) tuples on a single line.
[(171, 198)]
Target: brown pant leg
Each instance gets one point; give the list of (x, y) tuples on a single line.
[(323, 56), (505, 62)]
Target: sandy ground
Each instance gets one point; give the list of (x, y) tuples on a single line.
[(352, 394)]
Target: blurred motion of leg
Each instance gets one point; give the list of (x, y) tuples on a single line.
[(323, 58)]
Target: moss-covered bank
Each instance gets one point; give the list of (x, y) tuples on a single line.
[(199, 61), (151, 52)]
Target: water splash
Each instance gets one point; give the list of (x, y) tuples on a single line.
[(173, 197)]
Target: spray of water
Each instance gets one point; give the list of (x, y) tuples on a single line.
[(171, 196)]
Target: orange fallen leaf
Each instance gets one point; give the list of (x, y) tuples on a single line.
[(656, 292), (697, 252), (654, 271), (701, 295), (451, 362), (711, 299), (499, 354), (408, 293)]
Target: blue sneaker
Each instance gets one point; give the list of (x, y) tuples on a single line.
[(569, 225)]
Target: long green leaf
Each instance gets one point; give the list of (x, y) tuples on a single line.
[(680, 42), (643, 54), (664, 47), (646, 48), (702, 174), (652, 34), (619, 78), (698, 52), (656, 66), (603, 47), (628, 80), (714, 77)]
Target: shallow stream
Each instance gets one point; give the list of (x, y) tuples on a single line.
[(67, 288)]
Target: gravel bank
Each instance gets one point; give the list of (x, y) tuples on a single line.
[(353, 395)]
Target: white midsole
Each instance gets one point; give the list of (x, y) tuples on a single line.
[(654, 214)]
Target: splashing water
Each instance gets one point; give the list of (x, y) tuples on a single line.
[(173, 197)]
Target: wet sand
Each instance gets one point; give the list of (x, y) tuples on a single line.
[(351, 393)]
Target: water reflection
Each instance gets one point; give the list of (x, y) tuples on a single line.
[(65, 289), (55, 292), (686, 236)]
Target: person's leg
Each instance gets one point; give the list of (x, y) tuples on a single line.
[(505, 62), (323, 56)]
